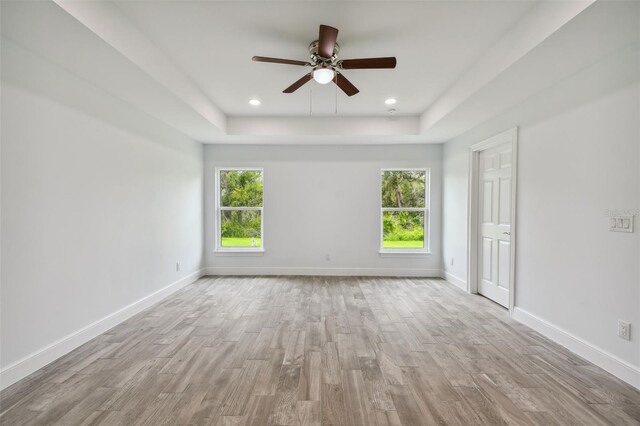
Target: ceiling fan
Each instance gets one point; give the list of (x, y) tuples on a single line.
[(326, 65)]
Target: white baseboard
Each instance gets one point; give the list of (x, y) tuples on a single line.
[(35, 361), (458, 282), (366, 272), (603, 359)]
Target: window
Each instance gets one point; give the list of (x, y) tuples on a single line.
[(239, 194), (404, 210)]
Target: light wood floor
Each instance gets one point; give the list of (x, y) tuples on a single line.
[(321, 350)]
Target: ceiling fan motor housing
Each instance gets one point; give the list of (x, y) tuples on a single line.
[(317, 60)]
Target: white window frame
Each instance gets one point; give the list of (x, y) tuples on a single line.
[(219, 209), (427, 201)]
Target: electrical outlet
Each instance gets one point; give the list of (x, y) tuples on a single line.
[(327, 257), (624, 330), (452, 261), (178, 266)]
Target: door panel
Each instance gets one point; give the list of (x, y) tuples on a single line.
[(504, 260), (505, 158), (487, 211), (505, 201), (487, 252), (495, 205)]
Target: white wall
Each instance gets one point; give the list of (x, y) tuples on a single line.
[(94, 218), (579, 155), (323, 200)]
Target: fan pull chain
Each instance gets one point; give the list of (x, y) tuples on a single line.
[(310, 101)]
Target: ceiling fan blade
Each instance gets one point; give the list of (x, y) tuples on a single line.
[(345, 85), (367, 63), (278, 60), (298, 84), (327, 41)]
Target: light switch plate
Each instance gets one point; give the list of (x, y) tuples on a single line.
[(621, 224)]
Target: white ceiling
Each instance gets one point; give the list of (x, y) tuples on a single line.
[(187, 64), (213, 42)]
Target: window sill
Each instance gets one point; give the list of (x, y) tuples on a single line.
[(239, 252), (403, 253)]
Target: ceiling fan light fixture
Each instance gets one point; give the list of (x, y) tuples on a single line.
[(323, 75), (325, 64)]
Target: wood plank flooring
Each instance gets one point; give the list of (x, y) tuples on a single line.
[(320, 351)]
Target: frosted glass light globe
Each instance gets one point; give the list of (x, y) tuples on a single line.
[(323, 75)]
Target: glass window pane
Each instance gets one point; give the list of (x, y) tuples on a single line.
[(240, 228), (241, 188), (403, 230), (403, 188)]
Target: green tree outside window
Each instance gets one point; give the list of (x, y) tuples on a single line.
[(240, 204), (403, 209)]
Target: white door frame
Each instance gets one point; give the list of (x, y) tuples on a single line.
[(510, 135)]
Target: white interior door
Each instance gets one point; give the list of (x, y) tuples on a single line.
[(494, 208)]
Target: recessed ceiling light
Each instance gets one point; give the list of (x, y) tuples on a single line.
[(254, 102), (390, 101)]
